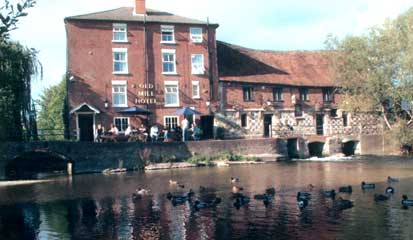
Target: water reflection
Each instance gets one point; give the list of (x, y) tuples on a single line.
[(102, 207)]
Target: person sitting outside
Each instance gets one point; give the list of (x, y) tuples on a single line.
[(167, 134), (196, 132), (114, 131), (99, 133), (154, 132), (128, 131), (143, 133)]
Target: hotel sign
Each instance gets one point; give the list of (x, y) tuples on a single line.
[(146, 94)]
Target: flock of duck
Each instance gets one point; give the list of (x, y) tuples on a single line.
[(208, 199)]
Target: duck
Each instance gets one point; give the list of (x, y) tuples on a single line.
[(365, 185), (203, 189), (141, 191), (406, 202), (200, 205), (303, 195), (234, 180), (302, 203), (241, 201), (346, 189), (391, 179), (267, 201), (177, 200), (236, 189), (380, 197), (343, 204), (190, 193), (330, 194), (260, 196), (270, 191), (389, 190)]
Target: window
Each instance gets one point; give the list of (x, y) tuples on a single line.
[(171, 122), (119, 94), (244, 120), (195, 89), (198, 64), (304, 94), (277, 94), (168, 61), (121, 123), (171, 94), (328, 95), (298, 110), (196, 35), (120, 61), (120, 32), (247, 93), (167, 33), (333, 113), (345, 119)]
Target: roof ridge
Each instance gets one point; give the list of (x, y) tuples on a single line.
[(272, 51), (99, 12)]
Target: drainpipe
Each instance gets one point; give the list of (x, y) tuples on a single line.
[(66, 116), (210, 69)]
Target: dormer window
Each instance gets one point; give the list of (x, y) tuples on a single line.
[(167, 33), (120, 32)]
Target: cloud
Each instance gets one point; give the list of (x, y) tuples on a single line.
[(262, 24)]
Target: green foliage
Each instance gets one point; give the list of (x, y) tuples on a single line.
[(50, 118), (197, 159), (10, 15), (375, 72), (402, 133), (18, 65)]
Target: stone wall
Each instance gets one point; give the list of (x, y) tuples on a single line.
[(96, 157)]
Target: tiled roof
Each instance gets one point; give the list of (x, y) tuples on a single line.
[(127, 14), (295, 68)]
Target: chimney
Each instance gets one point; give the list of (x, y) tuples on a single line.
[(140, 7)]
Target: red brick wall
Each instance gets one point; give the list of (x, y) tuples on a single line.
[(90, 63), (233, 96)]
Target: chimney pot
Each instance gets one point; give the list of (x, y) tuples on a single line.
[(140, 7)]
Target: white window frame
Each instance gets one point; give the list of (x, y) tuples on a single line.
[(165, 117), (169, 51), (198, 69), (120, 83), (120, 50), (117, 26), (196, 38), (114, 123), (168, 83), (168, 28), (198, 95)]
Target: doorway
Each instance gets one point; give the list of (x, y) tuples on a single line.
[(292, 148), (86, 123), (207, 126), (267, 124), (320, 124)]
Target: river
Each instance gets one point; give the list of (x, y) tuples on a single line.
[(96, 206)]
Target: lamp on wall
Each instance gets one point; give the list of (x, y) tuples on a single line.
[(269, 103), (208, 103), (106, 104)]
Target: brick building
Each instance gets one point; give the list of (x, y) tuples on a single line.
[(159, 62), (282, 94), (138, 57)]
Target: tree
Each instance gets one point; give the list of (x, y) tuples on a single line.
[(50, 119), (375, 71), (10, 15), (18, 65)]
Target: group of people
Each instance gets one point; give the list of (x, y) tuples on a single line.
[(169, 134)]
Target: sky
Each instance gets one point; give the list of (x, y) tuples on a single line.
[(261, 24)]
